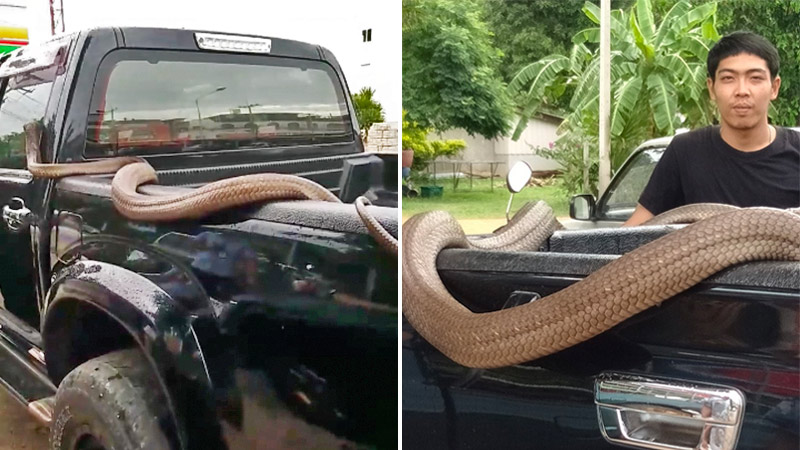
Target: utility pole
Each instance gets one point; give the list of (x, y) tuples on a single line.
[(604, 136), (197, 105), (249, 107), (56, 16)]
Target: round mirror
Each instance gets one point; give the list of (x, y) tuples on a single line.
[(518, 176)]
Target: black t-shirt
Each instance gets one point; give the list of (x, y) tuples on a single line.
[(700, 167)]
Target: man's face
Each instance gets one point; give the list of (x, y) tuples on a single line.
[(742, 90)]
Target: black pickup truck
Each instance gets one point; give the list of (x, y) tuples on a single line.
[(266, 326), (716, 367)]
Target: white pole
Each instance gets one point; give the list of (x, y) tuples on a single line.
[(605, 95), (585, 167)]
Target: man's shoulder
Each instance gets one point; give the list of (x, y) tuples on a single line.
[(692, 140), (792, 137), (700, 134)]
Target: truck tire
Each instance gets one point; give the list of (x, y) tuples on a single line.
[(110, 402)]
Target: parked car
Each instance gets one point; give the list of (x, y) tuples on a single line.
[(616, 204), (255, 327)]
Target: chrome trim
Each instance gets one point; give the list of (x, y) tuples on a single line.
[(37, 354), (668, 414), (17, 216), (17, 176), (42, 409)]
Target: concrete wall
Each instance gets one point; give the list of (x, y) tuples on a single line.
[(382, 138), (539, 133)]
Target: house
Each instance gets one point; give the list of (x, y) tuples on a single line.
[(541, 132)]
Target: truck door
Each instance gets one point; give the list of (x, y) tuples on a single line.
[(23, 98)]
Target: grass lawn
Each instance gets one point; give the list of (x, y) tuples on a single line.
[(481, 202)]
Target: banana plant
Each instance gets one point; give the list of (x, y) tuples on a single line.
[(658, 75)]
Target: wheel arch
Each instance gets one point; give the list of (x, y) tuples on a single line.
[(96, 307)]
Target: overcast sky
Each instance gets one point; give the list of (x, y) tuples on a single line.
[(336, 25)]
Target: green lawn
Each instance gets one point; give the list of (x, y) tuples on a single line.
[(481, 203)]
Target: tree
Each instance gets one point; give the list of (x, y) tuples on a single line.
[(450, 77), (368, 111), (658, 74), (528, 30), (776, 20)]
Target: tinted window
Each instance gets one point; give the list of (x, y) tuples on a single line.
[(22, 102), (166, 102), (624, 194)]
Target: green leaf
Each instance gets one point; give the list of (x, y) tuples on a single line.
[(539, 74), (625, 100), (695, 16), (646, 49), (578, 57), (678, 67), (663, 101), (525, 116), (588, 82), (618, 30), (666, 31), (695, 45), (622, 69), (644, 16), (590, 105), (591, 35), (710, 31), (592, 11)]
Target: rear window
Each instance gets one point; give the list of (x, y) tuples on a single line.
[(158, 102)]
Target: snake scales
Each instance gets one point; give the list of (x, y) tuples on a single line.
[(634, 282), (131, 172)]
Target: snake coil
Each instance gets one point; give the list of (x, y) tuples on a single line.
[(131, 172), (632, 283)]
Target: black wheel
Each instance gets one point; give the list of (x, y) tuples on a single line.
[(110, 402)]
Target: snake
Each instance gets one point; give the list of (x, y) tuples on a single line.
[(130, 172), (720, 237)]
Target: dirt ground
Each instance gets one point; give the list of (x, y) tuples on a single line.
[(18, 429)]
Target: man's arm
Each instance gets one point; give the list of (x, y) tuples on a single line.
[(640, 215)]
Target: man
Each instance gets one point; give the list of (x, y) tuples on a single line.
[(744, 161)]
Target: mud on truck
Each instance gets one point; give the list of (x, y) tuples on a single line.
[(255, 326)]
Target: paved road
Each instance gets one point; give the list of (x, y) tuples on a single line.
[(18, 429)]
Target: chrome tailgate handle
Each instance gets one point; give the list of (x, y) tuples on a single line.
[(667, 414)]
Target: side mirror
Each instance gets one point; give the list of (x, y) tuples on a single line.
[(581, 207), (518, 176)]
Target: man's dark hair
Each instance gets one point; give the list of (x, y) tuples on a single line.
[(740, 42)]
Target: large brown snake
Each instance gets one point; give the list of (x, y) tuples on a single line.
[(131, 172), (634, 282)]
